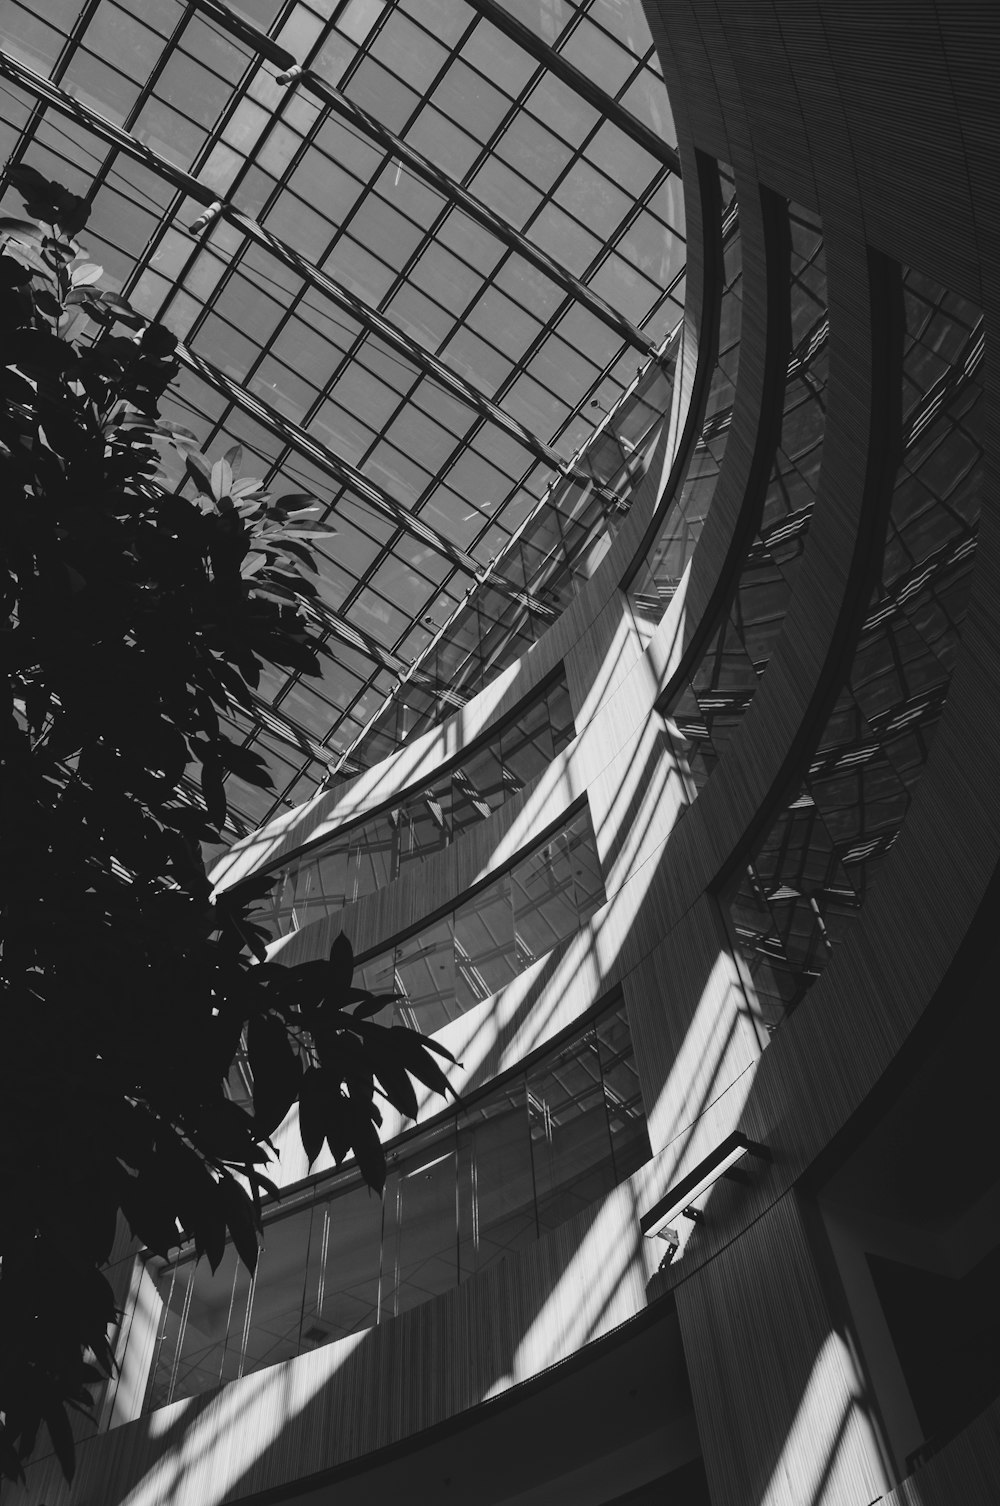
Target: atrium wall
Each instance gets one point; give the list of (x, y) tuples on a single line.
[(877, 124)]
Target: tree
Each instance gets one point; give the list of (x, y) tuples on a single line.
[(135, 615)]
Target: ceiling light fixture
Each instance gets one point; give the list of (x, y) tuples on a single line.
[(656, 1223)]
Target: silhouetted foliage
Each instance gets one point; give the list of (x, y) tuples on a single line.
[(134, 616)]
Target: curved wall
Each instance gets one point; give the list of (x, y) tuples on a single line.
[(792, 1402)]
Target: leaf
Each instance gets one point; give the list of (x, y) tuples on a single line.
[(9, 226), (234, 459), (241, 1219), (366, 1144), (213, 789), (396, 1085), (341, 965), (48, 303), (13, 273), (222, 480), (61, 1434), (314, 1092), (277, 1071), (85, 274), (149, 1221), (227, 1132), (291, 498), (415, 1052), (338, 1126), (36, 350), (199, 472), (371, 1004)]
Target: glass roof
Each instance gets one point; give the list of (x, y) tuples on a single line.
[(440, 239)]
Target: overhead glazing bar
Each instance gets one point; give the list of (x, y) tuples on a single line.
[(339, 469), (348, 475), (578, 81), (368, 317), (423, 168)]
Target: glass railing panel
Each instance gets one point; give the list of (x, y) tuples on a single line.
[(420, 1239), (622, 1095), (496, 1195), (340, 1288), (546, 896), (425, 972), (485, 956), (478, 788), (570, 1139), (808, 878), (482, 1183), (527, 748), (365, 857)]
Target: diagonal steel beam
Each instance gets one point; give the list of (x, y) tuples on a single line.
[(368, 317), (578, 81)]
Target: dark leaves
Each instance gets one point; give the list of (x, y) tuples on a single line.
[(136, 620), (241, 1218), (277, 1071), (314, 1093), (341, 964), (38, 353), (61, 1434)]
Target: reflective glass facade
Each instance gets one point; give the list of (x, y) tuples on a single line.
[(432, 262)]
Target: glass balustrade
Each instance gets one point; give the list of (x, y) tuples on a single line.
[(536, 1148), (424, 820)]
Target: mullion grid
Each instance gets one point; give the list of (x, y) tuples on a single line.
[(214, 135), (484, 156)]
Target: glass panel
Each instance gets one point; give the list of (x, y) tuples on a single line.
[(425, 973), (342, 1267), (555, 890), (570, 1139), (274, 1328), (496, 1205), (420, 1253), (526, 747), (485, 958), (622, 1095)]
